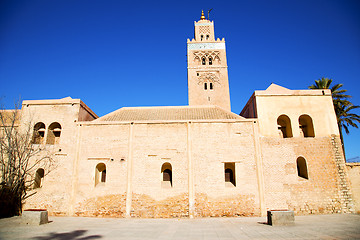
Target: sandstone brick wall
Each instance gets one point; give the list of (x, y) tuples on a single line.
[(156, 144), (153, 145), (171, 207), (108, 205), (108, 145), (284, 189), (327, 188), (353, 170), (213, 145), (55, 193), (226, 206), (265, 169)]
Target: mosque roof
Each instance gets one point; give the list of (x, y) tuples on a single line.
[(169, 113)]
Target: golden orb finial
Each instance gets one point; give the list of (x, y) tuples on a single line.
[(202, 15)]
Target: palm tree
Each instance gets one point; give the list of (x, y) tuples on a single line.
[(336, 92), (342, 106)]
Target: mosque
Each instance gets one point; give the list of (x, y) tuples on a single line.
[(282, 152)]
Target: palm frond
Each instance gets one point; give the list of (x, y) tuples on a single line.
[(342, 105)]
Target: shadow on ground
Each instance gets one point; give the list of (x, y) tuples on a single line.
[(73, 235), (264, 223)]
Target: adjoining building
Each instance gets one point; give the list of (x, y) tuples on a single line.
[(282, 152)]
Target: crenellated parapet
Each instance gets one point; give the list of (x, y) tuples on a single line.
[(217, 40)]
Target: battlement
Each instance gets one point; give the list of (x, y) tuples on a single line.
[(217, 40)]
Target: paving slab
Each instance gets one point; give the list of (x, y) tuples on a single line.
[(336, 226)]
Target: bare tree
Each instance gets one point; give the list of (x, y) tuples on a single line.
[(19, 160)]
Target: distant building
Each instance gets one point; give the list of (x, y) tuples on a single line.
[(282, 152)]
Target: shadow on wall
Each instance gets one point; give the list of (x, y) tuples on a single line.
[(74, 235)]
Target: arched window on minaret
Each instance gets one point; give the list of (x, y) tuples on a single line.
[(197, 60), (207, 37), (211, 86), (203, 61), (201, 37), (210, 61), (205, 86)]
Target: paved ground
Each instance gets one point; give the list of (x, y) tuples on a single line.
[(337, 226)]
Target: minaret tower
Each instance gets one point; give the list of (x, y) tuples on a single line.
[(208, 82)]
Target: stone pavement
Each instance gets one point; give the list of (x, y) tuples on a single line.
[(336, 226)]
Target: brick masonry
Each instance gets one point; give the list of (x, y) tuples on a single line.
[(197, 149), (353, 170)]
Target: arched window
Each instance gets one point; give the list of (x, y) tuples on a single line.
[(302, 168), (166, 171), (167, 175), (201, 37), (211, 85), (205, 86), (203, 61), (306, 126), (207, 37), (39, 133), (100, 173), (284, 126), (210, 61), (54, 133), (197, 60), (229, 169), (39, 176)]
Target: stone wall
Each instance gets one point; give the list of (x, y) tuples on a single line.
[(213, 144), (284, 189), (226, 206), (55, 193), (353, 170), (265, 170), (110, 205), (144, 206)]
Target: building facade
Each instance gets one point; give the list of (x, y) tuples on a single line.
[(282, 152)]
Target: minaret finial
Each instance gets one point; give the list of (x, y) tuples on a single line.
[(202, 15)]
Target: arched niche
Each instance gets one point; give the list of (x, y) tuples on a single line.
[(54, 132), (38, 133), (284, 126), (306, 126)]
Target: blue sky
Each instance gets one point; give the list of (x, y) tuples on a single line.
[(113, 54)]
